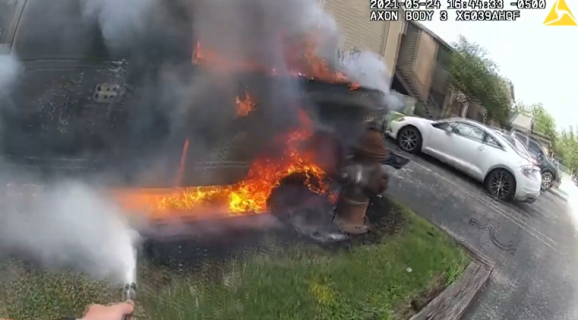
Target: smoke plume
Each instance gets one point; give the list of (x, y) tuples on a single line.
[(367, 69), (162, 101), (68, 225), (119, 21)]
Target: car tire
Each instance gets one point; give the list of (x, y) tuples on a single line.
[(547, 185), (501, 184), (409, 139)]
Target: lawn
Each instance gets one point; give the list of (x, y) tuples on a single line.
[(387, 279)]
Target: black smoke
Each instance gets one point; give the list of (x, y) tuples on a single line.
[(143, 48)]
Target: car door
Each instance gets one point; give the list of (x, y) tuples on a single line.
[(465, 145), (487, 155), (438, 141)]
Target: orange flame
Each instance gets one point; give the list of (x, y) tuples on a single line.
[(245, 106), (246, 197), (300, 58), (251, 194)]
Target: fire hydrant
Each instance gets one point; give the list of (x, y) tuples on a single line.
[(362, 177)]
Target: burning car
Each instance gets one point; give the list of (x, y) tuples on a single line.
[(141, 98)]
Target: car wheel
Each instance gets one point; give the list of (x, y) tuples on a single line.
[(409, 139), (501, 184), (547, 180)]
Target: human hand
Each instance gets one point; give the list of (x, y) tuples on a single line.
[(112, 312)]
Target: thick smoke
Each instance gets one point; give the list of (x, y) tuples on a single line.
[(367, 69), (74, 225), (68, 225), (119, 21), (237, 31), (251, 31)]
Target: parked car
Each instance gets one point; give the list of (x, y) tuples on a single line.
[(551, 176), (500, 164)]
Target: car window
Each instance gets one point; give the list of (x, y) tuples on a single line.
[(443, 125), (520, 136), (518, 146), (521, 148), (534, 148), (492, 142), (469, 131)]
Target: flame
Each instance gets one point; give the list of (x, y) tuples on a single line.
[(265, 173), (245, 106), (246, 197), (300, 57), (312, 65)]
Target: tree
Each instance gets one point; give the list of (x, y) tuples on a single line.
[(474, 77), (567, 148)]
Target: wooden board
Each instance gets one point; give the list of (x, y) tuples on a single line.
[(454, 300)]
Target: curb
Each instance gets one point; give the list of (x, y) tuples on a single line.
[(452, 303)]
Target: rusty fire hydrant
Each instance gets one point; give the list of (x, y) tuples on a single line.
[(362, 177)]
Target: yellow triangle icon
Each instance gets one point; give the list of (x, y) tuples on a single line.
[(560, 15)]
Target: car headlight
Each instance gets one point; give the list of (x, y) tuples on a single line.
[(531, 172)]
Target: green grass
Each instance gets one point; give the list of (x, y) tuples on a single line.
[(300, 282)]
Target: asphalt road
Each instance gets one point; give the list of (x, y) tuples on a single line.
[(534, 246)]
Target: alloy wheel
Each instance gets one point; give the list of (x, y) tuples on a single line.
[(500, 185), (408, 140), (547, 180)]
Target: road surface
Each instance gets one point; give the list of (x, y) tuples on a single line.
[(534, 246)]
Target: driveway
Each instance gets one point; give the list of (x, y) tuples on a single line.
[(534, 246)]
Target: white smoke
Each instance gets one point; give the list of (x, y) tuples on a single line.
[(368, 69), (66, 224), (69, 225), (74, 225), (119, 21), (10, 70)]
